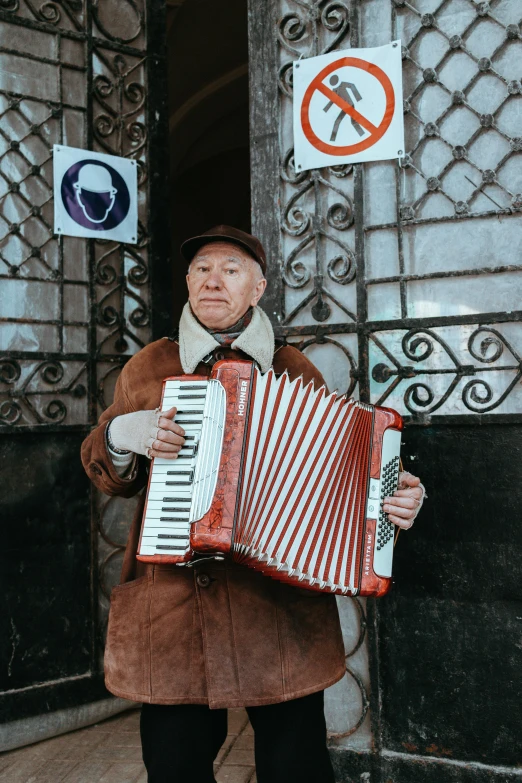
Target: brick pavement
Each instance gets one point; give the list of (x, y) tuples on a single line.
[(110, 752)]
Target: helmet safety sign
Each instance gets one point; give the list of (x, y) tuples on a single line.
[(348, 107), (95, 195)]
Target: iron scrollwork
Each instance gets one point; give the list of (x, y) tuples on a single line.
[(317, 218), (86, 305), (121, 271), (121, 97), (324, 233), (309, 21), (29, 388), (66, 14), (486, 345), (322, 339), (460, 164), (130, 10), (316, 258)]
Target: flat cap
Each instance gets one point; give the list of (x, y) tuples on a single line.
[(222, 233)]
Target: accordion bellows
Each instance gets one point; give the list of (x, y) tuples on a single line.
[(276, 475)]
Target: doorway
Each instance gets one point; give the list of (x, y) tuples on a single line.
[(207, 51)]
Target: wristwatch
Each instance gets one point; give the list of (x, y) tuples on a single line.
[(111, 445)]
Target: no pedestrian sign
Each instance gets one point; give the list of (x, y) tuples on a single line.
[(95, 195), (348, 107)]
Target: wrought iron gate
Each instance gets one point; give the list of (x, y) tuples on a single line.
[(401, 281), (89, 75)]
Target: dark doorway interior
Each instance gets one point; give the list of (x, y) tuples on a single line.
[(208, 122)]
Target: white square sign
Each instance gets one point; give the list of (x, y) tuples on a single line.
[(348, 107), (95, 195)]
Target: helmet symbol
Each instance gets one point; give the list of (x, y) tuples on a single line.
[(95, 179)]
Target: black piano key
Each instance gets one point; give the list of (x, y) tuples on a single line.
[(171, 535), (174, 508), (189, 413), (170, 546), (178, 483), (173, 519), (192, 396), (193, 387), (180, 472), (177, 500), (187, 421)]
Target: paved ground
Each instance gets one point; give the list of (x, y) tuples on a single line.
[(110, 752)]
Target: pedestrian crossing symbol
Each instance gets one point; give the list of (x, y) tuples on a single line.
[(348, 107)]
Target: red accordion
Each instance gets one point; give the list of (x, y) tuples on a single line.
[(279, 476)]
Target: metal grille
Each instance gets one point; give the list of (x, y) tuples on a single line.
[(402, 281), (72, 310), (399, 281)]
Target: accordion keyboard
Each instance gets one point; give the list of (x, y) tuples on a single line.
[(181, 490)]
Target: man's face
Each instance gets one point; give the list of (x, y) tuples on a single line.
[(223, 282)]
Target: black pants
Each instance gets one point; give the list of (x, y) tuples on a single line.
[(180, 742)]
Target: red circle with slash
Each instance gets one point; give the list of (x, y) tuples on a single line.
[(376, 131)]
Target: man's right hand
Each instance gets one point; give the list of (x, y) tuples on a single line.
[(152, 433)]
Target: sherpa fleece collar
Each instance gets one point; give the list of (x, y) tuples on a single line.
[(257, 341)]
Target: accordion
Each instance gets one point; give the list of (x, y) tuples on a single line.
[(276, 475)]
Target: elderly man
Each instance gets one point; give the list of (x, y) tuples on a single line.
[(190, 642)]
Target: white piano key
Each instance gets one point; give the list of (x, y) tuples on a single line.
[(156, 521), (156, 492), (163, 497), (154, 526), (153, 530), (180, 476), (162, 470), (161, 461), (177, 383), (183, 402)]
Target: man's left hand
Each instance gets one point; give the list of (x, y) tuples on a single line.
[(404, 505)]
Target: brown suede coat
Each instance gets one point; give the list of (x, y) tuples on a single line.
[(217, 633)]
